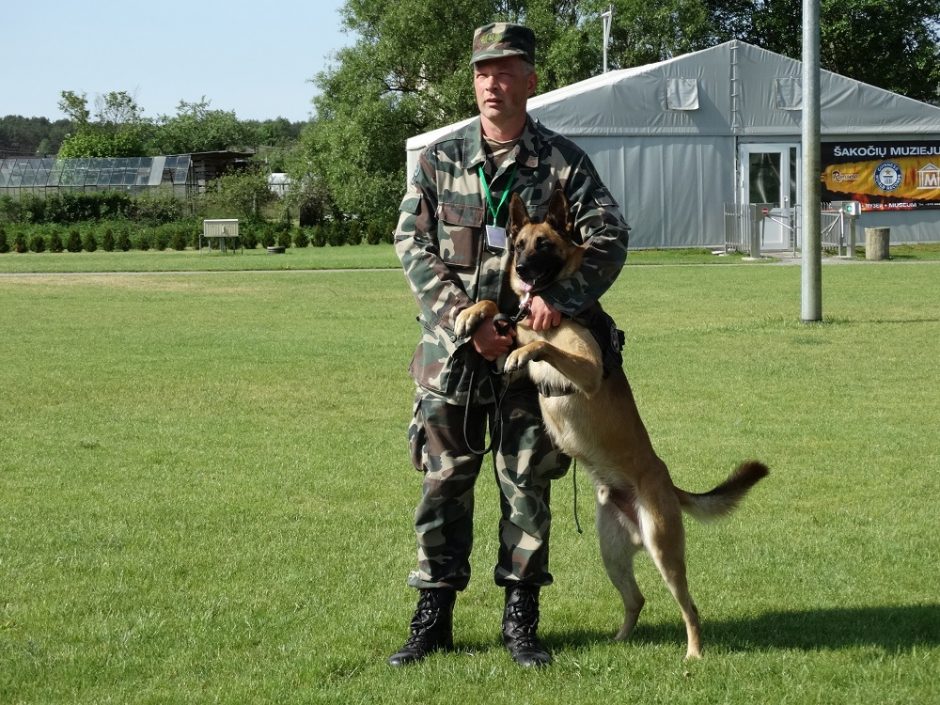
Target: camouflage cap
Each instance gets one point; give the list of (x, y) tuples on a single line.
[(499, 39)]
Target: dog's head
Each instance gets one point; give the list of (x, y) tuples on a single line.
[(545, 251)]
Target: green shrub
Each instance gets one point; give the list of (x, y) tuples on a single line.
[(74, 242), (301, 239), (11, 211), (19, 243), (160, 239), (336, 234), (55, 242), (33, 208), (388, 232), (69, 207), (353, 232), (142, 240), (373, 233), (283, 238), (107, 240), (268, 236), (4, 245), (123, 241), (37, 243), (247, 238), (178, 239), (318, 235), (157, 210), (89, 241)]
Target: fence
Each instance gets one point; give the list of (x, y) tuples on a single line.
[(745, 223)]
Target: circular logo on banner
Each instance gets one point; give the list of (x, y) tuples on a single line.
[(887, 176)]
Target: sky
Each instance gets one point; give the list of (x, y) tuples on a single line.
[(255, 58)]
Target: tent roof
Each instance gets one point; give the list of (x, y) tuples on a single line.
[(730, 89)]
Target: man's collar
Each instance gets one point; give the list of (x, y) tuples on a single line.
[(526, 151)]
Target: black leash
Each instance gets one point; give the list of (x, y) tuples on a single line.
[(574, 484), (503, 324)]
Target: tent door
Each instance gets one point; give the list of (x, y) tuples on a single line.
[(770, 173)]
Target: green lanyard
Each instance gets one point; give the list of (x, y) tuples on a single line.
[(489, 198)]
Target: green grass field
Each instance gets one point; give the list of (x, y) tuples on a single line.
[(205, 493)]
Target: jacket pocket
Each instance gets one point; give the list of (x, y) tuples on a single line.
[(435, 365), (459, 232)]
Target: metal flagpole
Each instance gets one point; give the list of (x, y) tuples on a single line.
[(607, 17), (811, 275)]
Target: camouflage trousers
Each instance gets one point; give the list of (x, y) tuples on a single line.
[(446, 441)]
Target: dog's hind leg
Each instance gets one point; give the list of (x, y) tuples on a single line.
[(619, 540), (664, 538)]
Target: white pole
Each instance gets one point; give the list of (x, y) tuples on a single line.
[(607, 17), (811, 275)]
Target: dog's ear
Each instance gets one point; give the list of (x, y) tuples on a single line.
[(518, 215), (558, 213)]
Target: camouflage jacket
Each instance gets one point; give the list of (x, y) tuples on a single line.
[(441, 243)]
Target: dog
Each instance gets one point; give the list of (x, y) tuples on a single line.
[(591, 415)]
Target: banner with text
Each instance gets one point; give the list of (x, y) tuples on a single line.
[(882, 176)]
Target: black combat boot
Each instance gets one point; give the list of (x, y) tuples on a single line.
[(520, 623), (432, 627)]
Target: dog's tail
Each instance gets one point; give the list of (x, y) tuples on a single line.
[(723, 499)]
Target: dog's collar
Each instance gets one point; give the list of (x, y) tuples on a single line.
[(504, 322)]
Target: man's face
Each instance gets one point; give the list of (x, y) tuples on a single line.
[(502, 87)]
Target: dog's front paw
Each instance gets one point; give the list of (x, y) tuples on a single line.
[(467, 322), (468, 319), (520, 357)]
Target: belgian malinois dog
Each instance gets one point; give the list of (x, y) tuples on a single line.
[(594, 419)]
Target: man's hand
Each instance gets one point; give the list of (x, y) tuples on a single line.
[(490, 343), (542, 315)]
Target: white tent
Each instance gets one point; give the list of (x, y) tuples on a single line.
[(679, 141)]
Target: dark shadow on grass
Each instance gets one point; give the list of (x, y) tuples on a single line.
[(890, 628)]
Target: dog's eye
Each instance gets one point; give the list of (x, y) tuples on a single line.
[(543, 243)]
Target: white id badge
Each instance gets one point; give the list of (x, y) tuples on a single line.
[(495, 237)]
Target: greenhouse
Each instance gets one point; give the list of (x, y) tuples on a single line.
[(43, 175)]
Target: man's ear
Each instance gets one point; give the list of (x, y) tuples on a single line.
[(518, 215), (557, 216)]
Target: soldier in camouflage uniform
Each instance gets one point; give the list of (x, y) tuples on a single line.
[(451, 242)]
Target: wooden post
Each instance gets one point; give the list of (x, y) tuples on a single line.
[(877, 243)]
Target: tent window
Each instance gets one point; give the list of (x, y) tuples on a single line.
[(681, 94), (789, 93)]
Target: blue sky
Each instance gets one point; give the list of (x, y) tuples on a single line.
[(256, 58)]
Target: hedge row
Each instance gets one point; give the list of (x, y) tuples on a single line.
[(76, 207), (180, 235)]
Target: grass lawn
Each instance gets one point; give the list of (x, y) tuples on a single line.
[(205, 493), (346, 257), (351, 257)]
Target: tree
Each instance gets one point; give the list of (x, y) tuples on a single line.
[(893, 45), (118, 108), (75, 107), (23, 136), (120, 129), (240, 194), (278, 132), (644, 32), (196, 128), (92, 141)]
